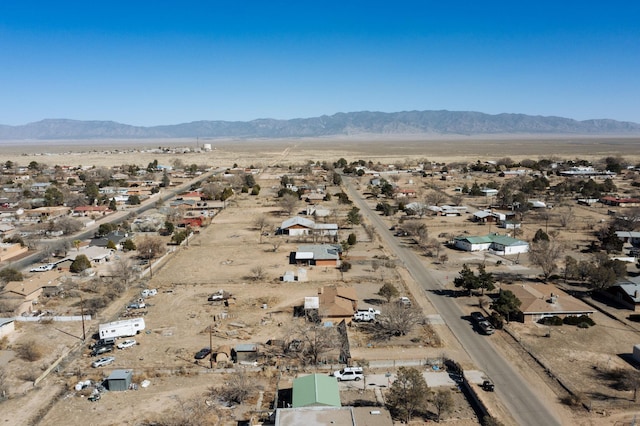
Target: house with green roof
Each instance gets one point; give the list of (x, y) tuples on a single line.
[(499, 244), (316, 390)]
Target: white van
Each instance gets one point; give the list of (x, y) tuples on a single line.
[(348, 373)]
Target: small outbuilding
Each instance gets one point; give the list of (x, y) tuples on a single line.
[(119, 380), (246, 352)]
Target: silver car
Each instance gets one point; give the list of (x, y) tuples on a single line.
[(101, 362)]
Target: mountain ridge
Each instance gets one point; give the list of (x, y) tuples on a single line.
[(340, 124)]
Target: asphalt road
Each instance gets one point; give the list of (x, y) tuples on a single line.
[(521, 401)]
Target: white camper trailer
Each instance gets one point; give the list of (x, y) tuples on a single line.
[(124, 328)]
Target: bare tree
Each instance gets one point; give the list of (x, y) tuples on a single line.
[(318, 340), (288, 203), (396, 320), (257, 273), (191, 412), (261, 223), (150, 247), (443, 403), (236, 390), (123, 269), (567, 216), (435, 197), (67, 225), (546, 254)]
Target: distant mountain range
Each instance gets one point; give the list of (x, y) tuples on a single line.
[(341, 124)]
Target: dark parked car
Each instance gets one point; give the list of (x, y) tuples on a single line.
[(99, 350), (202, 353), (477, 317), (488, 386)]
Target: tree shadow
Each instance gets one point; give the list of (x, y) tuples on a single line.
[(377, 302)]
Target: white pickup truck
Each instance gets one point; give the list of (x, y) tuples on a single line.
[(366, 315)]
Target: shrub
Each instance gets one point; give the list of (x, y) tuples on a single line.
[(577, 320), (351, 240), (81, 263), (554, 320), (496, 320), (29, 351)]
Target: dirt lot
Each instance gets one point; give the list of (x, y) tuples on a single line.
[(223, 255)]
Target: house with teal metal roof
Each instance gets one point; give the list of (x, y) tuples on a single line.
[(316, 390), (499, 244)]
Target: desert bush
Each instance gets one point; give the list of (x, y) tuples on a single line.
[(29, 351), (554, 320), (579, 321)]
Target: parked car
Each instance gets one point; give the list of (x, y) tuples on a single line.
[(202, 353), (219, 295), (136, 305), (103, 342), (488, 386), (486, 327), (43, 268), (477, 317), (404, 301), (348, 373), (99, 350), (127, 344), (149, 292), (94, 397), (101, 362)]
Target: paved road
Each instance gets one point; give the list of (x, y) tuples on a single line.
[(523, 404)]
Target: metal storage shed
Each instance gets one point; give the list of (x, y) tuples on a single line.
[(119, 380)]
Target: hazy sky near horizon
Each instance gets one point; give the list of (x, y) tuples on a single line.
[(168, 62)]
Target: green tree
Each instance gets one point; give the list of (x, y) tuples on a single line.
[(351, 239), (53, 197), (169, 226), (506, 304), (249, 180), (105, 228), (111, 245), (112, 205), (610, 241), (255, 190), (466, 279), (408, 393), (354, 217), (92, 191), (485, 279), (133, 200), (226, 193), (540, 236), (81, 263), (179, 236), (388, 291), (128, 245)]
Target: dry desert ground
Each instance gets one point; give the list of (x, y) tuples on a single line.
[(225, 256)]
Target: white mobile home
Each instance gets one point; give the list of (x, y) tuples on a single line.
[(124, 328)]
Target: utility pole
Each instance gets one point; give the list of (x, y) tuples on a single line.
[(211, 346), (82, 315)]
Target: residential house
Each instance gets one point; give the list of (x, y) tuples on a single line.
[(620, 202), (500, 244), (546, 300), (337, 303), (91, 210), (631, 237), (317, 254), (300, 226), (316, 390), (326, 415), (116, 237), (626, 293)]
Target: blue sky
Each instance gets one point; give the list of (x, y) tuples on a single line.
[(168, 62)]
